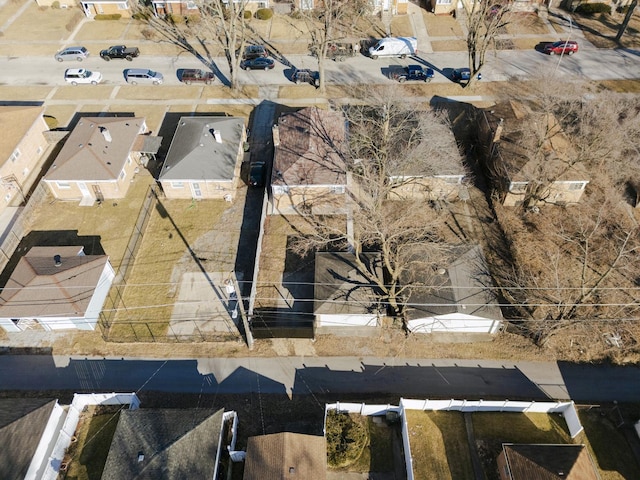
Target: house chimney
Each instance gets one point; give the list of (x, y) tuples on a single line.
[(498, 132), (218, 137), (105, 133), (57, 260)]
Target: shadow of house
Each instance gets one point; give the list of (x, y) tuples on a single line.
[(23, 426), (523, 462), (344, 298), (455, 298), (286, 455), (204, 158), (55, 288), (166, 444), (511, 169)]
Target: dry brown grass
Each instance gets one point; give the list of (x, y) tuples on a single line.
[(601, 29), (527, 24), (441, 26), (448, 45), (401, 26)]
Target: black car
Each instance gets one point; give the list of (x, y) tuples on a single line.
[(259, 63), (413, 73), (257, 172), (461, 75), (254, 51), (304, 75)]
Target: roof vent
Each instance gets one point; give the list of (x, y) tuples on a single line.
[(292, 470), (57, 260), (216, 133), (105, 133), (441, 271), (140, 457)]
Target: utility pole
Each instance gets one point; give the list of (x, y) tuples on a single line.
[(243, 314)]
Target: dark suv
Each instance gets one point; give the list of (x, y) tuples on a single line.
[(413, 73), (254, 51), (304, 75)]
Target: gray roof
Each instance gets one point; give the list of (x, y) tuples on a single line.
[(171, 444), (463, 287), (97, 149), (39, 288), (287, 455), (22, 423), (195, 154), (340, 287)]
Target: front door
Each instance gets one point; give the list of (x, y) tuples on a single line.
[(84, 190)]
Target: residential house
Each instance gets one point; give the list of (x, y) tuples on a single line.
[(394, 7), (167, 444), (22, 148), (190, 7), (27, 426), (286, 455), (91, 8), (55, 288), (458, 297), (99, 159), (562, 462), (511, 170), (204, 158), (309, 173), (344, 296)]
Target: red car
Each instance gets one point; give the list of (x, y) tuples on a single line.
[(568, 47)]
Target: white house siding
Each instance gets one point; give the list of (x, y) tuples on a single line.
[(40, 460), (454, 322), (97, 301), (325, 320)]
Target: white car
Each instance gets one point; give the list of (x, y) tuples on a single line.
[(74, 76)]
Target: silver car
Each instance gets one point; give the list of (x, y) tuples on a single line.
[(135, 76), (72, 53)]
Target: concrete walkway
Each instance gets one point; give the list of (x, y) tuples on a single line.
[(419, 28), (473, 451)]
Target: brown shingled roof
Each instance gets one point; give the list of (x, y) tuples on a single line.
[(281, 456), (549, 462), (39, 288), (96, 149), (311, 145)]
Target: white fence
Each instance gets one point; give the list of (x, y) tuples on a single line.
[(567, 409), (256, 268), (66, 433)]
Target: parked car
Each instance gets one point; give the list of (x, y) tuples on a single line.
[(568, 47), (142, 75), (120, 51), (394, 47), (461, 75), (195, 75), (74, 76), (304, 75), (413, 73), (257, 173), (72, 53), (258, 63), (340, 51), (254, 51)]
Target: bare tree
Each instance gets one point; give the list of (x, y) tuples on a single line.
[(484, 22), (332, 23), (574, 268), (627, 18), (219, 22), (395, 149)]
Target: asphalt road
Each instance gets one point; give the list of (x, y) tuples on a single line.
[(425, 378), (589, 63)]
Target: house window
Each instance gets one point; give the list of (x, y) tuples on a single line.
[(191, 5), (63, 185), (40, 149), (15, 155), (129, 161), (123, 6), (122, 175), (280, 189), (337, 189), (518, 187), (576, 185), (25, 172), (443, 2), (7, 197), (177, 184)]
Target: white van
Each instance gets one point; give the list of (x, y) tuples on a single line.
[(394, 47)]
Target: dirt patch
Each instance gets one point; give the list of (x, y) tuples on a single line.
[(441, 26), (448, 45)]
